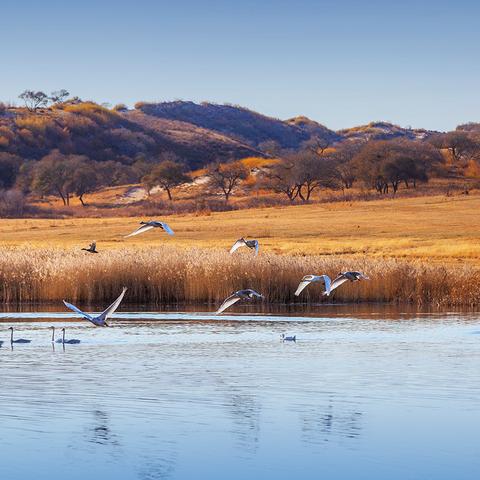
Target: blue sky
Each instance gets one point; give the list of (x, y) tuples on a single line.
[(340, 63)]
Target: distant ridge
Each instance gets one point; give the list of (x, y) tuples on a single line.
[(241, 123)]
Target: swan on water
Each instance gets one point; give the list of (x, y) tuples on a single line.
[(241, 242), (99, 320), (18, 340), (288, 338), (92, 248), (72, 341), (308, 279), (247, 294), (347, 277), (149, 225)]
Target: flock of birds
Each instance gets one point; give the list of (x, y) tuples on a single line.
[(247, 294)]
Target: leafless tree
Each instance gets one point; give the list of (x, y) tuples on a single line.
[(34, 100), (227, 176)]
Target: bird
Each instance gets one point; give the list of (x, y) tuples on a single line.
[(1, 343), (62, 340), (72, 341), (308, 279), (149, 225), (247, 294), (99, 320), (19, 340), (53, 336), (286, 338), (241, 242), (92, 248), (343, 277)]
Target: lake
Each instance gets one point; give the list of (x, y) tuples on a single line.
[(365, 393)]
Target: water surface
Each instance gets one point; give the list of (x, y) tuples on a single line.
[(371, 394)]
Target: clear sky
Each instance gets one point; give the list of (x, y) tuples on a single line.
[(342, 63)]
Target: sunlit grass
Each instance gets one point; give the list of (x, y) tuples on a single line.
[(177, 275)]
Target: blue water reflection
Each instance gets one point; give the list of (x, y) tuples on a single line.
[(190, 396)]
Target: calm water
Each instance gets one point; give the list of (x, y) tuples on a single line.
[(375, 395)]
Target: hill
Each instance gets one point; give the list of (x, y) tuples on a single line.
[(103, 135), (242, 124), (383, 131)]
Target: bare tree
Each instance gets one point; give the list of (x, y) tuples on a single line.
[(59, 96), (311, 173), (34, 100), (281, 178), (459, 144), (168, 175), (227, 176)]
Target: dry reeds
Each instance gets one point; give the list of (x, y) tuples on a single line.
[(172, 275)]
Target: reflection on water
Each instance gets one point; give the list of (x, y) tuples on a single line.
[(184, 395)]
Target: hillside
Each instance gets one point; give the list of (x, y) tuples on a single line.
[(103, 135), (240, 123), (383, 131)]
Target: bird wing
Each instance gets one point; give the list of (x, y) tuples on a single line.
[(340, 280), (228, 302), (256, 248), (237, 245), (328, 284), (77, 310), (167, 229), (301, 286), (141, 229), (106, 313), (93, 245)]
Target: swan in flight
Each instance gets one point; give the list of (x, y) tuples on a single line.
[(99, 320), (92, 248), (241, 242), (19, 340), (308, 279), (247, 294), (347, 277), (149, 225), (286, 338)]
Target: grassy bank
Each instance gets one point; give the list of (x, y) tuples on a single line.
[(170, 274), (437, 229)]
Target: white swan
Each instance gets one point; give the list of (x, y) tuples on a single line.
[(149, 225), (247, 294), (99, 320), (308, 279), (347, 277), (19, 340), (241, 242), (286, 338), (72, 341)]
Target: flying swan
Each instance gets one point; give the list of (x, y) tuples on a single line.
[(347, 277), (308, 279), (241, 242), (247, 294), (149, 225), (99, 320)]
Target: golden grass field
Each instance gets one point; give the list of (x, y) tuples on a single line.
[(440, 229), (422, 250)]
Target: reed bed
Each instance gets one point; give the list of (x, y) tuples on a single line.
[(169, 275)]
